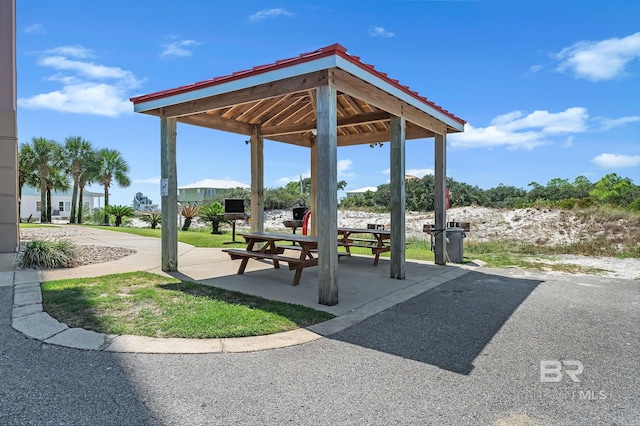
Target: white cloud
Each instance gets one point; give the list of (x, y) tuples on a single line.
[(599, 60), (90, 70), (269, 13), (87, 87), (515, 130), (155, 180), (76, 51), (380, 32), (610, 123), (285, 180), (344, 167), (179, 48), (419, 172), (85, 98), (615, 161), (34, 29)]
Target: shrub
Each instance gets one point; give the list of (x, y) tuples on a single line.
[(46, 254), (189, 212), (213, 214), (119, 212), (153, 219)]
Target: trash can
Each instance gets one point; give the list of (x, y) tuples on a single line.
[(455, 246)]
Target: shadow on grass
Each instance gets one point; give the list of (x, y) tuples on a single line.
[(448, 326), (302, 316)]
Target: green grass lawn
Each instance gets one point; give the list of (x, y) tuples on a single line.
[(496, 254), (145, 304), (36, 225)]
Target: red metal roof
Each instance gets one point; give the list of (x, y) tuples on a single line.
[(334, 49)]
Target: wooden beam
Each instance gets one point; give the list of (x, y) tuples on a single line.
[(257, 181), (353, 86), (397, 185), (356, 120), (217, 123), (382, 136), (439, 205), (169, 194), (327, 202), (250, 94)]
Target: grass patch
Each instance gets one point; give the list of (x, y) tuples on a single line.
[(197, 238), (145, 304), (36, 225)]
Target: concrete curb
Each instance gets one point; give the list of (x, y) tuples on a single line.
[(28, 318)]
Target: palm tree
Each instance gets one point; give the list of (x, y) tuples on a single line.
[(111, 165), (76, 152), (88, 176), (119, 212), (56, 181), (26, 170), (43, 158)]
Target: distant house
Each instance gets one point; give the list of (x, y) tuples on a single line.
[(198, 192), (142, 203), (355, 192), (60, 203)]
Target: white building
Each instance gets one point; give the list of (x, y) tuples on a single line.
[(198, 192), (60, 203), (142, 203), (355, 192)]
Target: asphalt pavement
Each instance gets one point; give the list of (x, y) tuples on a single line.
[(467, 351)]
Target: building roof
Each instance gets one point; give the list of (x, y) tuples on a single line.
[(362, 190), (29, 190), (280, 99), (215, 184)]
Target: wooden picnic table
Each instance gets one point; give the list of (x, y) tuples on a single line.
[(379, 243), (274, 253)]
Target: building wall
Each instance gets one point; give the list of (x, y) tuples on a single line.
[(29, 206), (196, 195), (9, 230)]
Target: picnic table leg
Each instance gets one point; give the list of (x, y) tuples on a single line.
[(243, 265), (274, 250)]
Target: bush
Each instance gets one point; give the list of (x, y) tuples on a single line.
[(119, 212), (46, 254), (213, 214), (154, 219)]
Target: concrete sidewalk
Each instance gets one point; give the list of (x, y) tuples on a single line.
[(364, 290)]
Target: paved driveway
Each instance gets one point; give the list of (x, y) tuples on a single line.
[(465, 352)]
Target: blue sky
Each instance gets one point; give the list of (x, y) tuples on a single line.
[(548, 88)]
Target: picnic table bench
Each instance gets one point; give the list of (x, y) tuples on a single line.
[(274, 253), (379, 243)]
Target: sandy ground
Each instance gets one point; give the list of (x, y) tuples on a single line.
[(539, 226)]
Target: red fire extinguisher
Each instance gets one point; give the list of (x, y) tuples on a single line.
[(448, 199)]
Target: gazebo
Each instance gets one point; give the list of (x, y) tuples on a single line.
[(321, 100)]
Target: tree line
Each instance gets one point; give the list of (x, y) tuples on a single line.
[(420, 193), (610, 190), (48, 165)]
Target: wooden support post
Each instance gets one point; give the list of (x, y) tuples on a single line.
[(169, 194), (327, 206), (440, 199), (314, 187), (9, 220), (257, 181), (398, 183)]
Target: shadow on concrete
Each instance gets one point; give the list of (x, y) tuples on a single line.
[(46, 384), (447, 326)]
